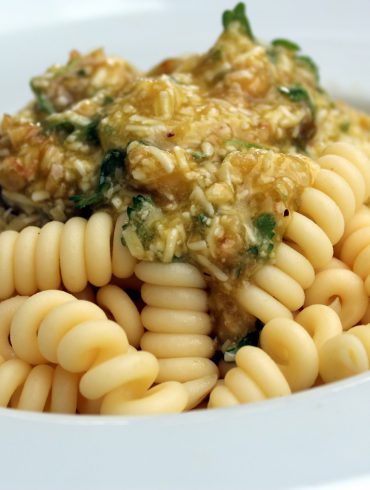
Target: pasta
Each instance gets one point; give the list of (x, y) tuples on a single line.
[(346, 355), (178, 336), (39, 388), (77, 336), (194, 236), (287, 361), (113, 299), (63, 254), (356, 245), (345, 285)]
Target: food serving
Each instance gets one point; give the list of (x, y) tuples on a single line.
[(196, 235)]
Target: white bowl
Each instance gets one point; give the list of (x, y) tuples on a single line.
[(320, 437)]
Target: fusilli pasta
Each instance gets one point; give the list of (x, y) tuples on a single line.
[(63, 254), (54, 327), (355, 247), (39, 388), (178, 325), (345, 355), (287, 361)]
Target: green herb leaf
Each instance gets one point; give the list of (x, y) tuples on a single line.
[(96, 198), (265, 224), (344, 126), (253, 250), (84, 132), (138, 202), (285, 43), (203, 219), (108, 99), (261, 249), (42, 101), (216, 54), (251, 338), (240, 145), (44, 104), (237, 15), (61, 126), (198, 155), (143, 218), (90, 133), (113, 160), (296, 93), (310, 64)]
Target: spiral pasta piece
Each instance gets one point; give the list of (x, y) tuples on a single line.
[(361, 219), (123, 310), (198, 389), (39, 388), (346, 355), (345, 285), (293, 350), (321, 322), (55, 327), (255, 378), (287, 361), (355, 247), (63, 254), (345, 155), (7, 311), (177, 321), (341, 186)]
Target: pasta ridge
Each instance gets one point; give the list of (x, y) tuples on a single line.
[(345, 355)]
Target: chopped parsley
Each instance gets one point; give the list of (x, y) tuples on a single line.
[(265, 224), (113, 160), (83, 131), (296, 93), (108, 99), (198, 155), (89, 133), (42, 101), (237, 15), (251, 338), (261, 249), (294, 48), (217, 53), (310, 64), (344, 126), (241, 145), (285, 43), (203, 219), (82, 72), (44, 104), (143, 217)]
